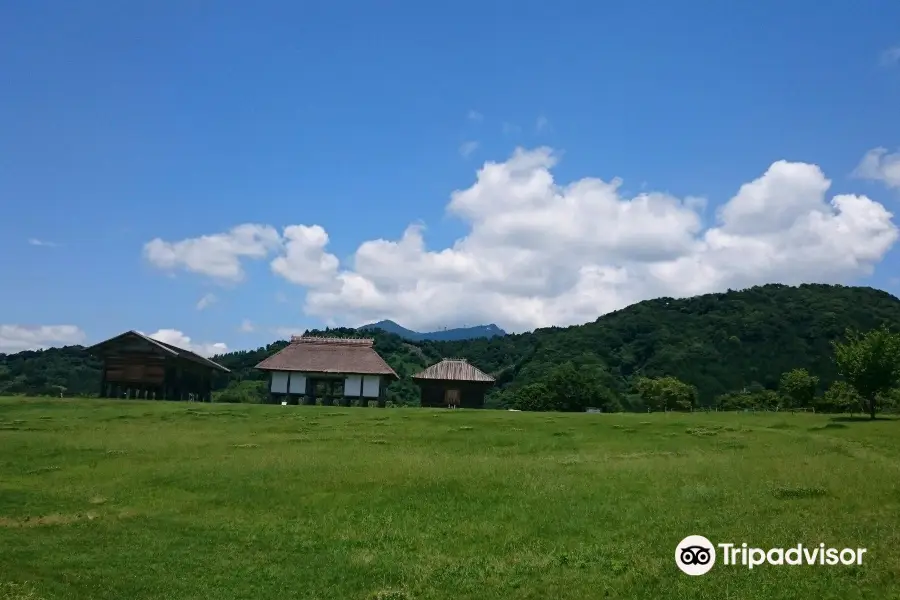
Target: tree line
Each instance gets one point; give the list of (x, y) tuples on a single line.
[(733, 349), (869, 364)]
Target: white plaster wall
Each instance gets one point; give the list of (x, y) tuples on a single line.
[(298, 383), (371, 386), (279, 382), (353, 386)]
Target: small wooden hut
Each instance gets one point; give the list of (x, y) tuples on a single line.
[(453, 383), (341, 370), (137, 366)]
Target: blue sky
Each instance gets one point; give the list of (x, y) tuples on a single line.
[(121, 123)]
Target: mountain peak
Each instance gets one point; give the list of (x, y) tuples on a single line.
[(456, 334)]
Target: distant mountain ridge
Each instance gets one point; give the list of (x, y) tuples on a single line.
[(447, 335)]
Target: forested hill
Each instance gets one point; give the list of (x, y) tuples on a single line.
[(717, 342)]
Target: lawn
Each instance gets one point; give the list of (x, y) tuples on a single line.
[(139, 500)]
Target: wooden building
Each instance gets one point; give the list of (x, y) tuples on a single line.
[(334, 370), (453, 383), (136, 366)]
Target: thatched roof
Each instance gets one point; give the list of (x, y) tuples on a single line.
[(454, 369), (115, 344), (328, 355)]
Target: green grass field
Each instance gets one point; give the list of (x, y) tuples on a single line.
[(139, 500)]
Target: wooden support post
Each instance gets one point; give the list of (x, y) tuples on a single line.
[(382, 399), (103, 391)]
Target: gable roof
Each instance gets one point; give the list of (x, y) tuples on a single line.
[(454, 369), (168, 349), (328, 355)]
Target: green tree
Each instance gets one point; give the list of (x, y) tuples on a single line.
[(870, 363), (247, 391), (666, 393), (533, 396), (840, 397), (799, 387)]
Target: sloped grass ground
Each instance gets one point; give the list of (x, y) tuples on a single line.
[(140, 500)]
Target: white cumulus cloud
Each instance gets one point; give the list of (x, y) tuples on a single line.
[(217, 256), (180, 340), (879, 165), (15, 338), (539, 252), (305, 261)]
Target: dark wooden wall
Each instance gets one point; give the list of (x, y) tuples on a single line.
[(471, 393), (146, 375)]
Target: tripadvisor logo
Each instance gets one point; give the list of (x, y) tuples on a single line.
[(696, 555)]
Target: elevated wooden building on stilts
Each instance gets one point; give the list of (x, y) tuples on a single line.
[(453, 383), (137, 366), (328, 370)]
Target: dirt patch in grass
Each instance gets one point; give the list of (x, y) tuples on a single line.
[(46, 520), (640, 455), (245, 446), (41, 470), (389, 595), (732, 428), (701, 431), (18, 591)]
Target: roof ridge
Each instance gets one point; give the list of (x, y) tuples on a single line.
[(454, 369), (312, 339), (313, 354)]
